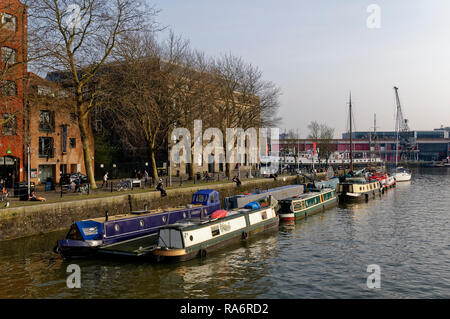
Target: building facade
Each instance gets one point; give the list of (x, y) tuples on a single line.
[(13, 39), (428, 146), (54, 135)]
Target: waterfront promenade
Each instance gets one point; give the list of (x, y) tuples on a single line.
[(23, 219)]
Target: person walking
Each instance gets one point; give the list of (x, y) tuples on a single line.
[(146, 177), (105, 180)]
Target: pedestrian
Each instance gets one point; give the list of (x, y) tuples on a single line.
[(77, 184), (160, 187), (35, 198), (237, 181), (146, 177), (105, 180), (5, 195)]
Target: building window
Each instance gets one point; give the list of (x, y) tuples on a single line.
[(9, 88), (73, 142), (9, 124), (46, 147), (73, 117), (64, 138), (9, 22), (46, 121), (9, 55)]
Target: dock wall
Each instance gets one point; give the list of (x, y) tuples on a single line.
[(44, 218)]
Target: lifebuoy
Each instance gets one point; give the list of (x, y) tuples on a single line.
[(203, 253)]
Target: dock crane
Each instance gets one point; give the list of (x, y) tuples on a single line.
[(405, 143)]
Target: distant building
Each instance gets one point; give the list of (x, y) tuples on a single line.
[(429, 146)]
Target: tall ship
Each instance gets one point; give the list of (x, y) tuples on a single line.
[(356, 186)]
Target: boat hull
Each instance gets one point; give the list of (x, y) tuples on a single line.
[(181, 255), (402, 177), (86, 238), (360, 197)]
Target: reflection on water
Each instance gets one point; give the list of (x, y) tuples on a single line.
[(324, 256)]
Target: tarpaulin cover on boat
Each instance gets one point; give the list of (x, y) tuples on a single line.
[(252, 205)]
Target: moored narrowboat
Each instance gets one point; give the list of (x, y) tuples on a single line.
[(88, 237), (193, 238), (386, 180), (358, 189), (278, 193), (307, 204)]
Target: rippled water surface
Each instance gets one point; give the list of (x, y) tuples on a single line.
[(405, 232)]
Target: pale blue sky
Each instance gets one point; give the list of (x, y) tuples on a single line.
[(318, 50)]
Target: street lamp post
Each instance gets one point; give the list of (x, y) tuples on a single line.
[(29, 171)]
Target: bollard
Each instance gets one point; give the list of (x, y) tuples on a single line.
[(111, 186)]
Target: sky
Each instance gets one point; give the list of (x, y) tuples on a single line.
[(317, 51)]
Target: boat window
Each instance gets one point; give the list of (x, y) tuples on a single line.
[(170, 238), (264, 215), (200, 198), (74, 233), (215, 231)]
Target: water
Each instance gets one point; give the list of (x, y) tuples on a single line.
[(405, 233)]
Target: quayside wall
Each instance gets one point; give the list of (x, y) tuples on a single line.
[(44, 218)]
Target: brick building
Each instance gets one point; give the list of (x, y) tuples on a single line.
[(33, 112), (13, 39), (54, 138)]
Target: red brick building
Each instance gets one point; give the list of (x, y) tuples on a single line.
[(13, 68), (55, 140)]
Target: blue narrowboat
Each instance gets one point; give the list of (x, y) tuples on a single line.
[(87, 237)]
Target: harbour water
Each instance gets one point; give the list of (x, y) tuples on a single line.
[(405, 232)]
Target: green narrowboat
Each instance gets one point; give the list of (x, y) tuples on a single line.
[(191, 238), (307, 204)]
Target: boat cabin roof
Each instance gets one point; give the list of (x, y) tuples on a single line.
[(312, 193), (196, 221), (144, 212)]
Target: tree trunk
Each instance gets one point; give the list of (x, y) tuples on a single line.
[(86, 137), (191, 168), (153, 168)]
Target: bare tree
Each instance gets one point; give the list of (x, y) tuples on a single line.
[(323, 135), (244, 99), (141, 90), (76, 38)]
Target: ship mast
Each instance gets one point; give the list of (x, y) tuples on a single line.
[(351, 133)]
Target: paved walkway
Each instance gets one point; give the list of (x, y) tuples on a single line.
[(112, 189)]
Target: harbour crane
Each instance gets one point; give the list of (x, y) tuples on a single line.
[(404, 140)]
